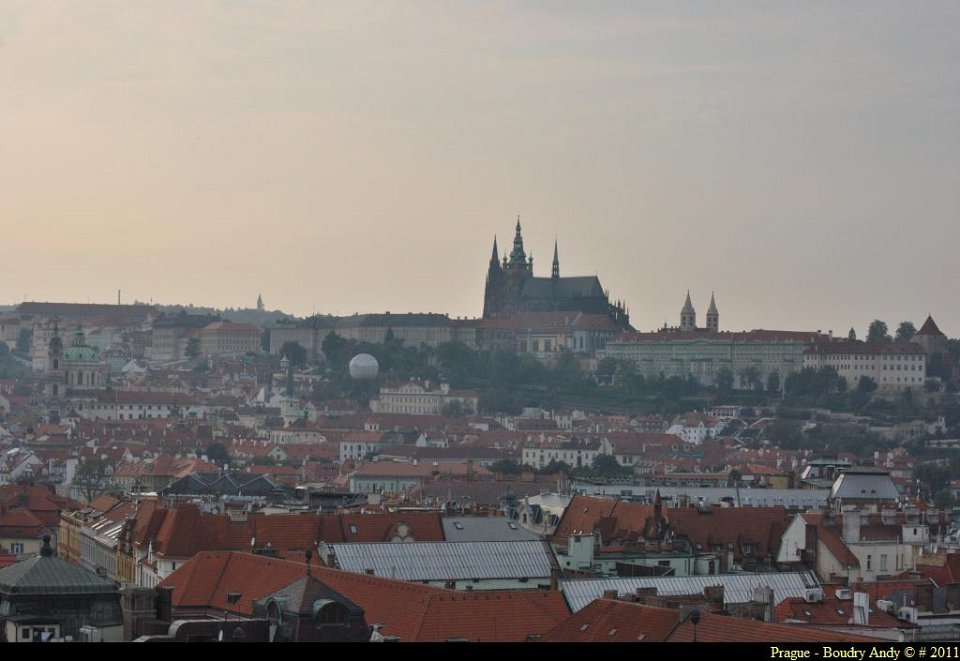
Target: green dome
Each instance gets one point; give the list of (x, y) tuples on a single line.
[(81, 354)]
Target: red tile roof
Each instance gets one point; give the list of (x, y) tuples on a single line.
[(830, 612), (20, 522), (618, 521), (182, 531), (608, 620), (408, 610)]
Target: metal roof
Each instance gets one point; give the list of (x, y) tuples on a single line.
[(49, 575), (485, 529), (858, 485), (446, 561), (737, 588)]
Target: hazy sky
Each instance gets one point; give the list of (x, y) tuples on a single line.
[(800, 159)]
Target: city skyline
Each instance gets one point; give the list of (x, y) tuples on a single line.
[(800, 162)]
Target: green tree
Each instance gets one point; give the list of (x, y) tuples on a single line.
[(453, 409), (866, 384), (506, 467), (335, 348), (218, 454), (295, 353), (905, 331), (725, 380), (608, 466), (877, 332), (192, 350), (773, 382), (24, 337)]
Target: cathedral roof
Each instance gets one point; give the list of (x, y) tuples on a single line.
[(574, 287), (688, 305), (713, 304)]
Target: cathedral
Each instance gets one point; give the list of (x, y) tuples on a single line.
[(512, 289)]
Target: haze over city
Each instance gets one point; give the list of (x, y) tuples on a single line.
[(799, 160)]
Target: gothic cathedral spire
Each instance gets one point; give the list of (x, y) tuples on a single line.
[(555, 273)]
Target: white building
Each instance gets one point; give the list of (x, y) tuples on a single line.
[(422, 398), (891, 365)]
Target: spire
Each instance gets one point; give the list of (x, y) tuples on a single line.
[(688, 316), (556, 261), (518, 257), (713, 316), (494, 256)]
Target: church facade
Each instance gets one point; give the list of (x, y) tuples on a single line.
[(512, 289)]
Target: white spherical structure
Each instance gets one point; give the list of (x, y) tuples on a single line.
[(364, 367)]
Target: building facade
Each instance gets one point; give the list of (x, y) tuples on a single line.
[(891, 365), (423, 398), (703, 355)]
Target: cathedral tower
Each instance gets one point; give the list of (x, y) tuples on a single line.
[(713, 316), (688, 316)]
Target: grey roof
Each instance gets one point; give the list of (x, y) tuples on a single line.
[(485, 529), (862, 485), (737, 588), (574, 287), (446, 561), (50, 575), (301, 595)]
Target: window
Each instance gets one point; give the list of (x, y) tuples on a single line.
[(883, 562), (16, 548), (869, 562)]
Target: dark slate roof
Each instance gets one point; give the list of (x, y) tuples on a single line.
[(575, 287), (929, 328), (50, 575), (301, 595)]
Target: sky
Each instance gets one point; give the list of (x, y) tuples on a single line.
[(801, 160)]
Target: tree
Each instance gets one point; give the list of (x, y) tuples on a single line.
[(295, 353), (453, 409), (877, 332), (91, 477), (334, 347), (24, 337), (773, 382), (506, 467), (905, 331), (218, 454), (192, 351), (725, 380), (608, 466), (866, 384)]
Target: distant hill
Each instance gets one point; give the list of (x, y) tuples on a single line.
[(239, 315)]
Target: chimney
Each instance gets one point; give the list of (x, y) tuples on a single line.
[(609, 594), (851, 526)]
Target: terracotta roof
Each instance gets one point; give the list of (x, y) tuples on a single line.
[(183, 531), (618, 521), (831, 612), (608, 620), (411, 611), (832, 538), (19, 522)]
